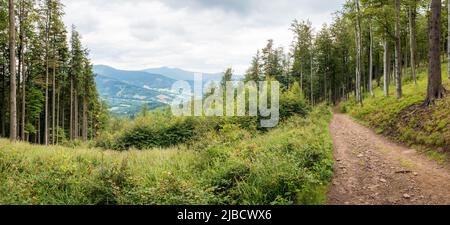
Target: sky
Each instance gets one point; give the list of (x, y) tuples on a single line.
[(196, 35)]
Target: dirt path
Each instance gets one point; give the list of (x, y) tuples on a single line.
[(371, 170)]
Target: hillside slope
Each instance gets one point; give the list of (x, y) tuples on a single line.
[(404, 120)]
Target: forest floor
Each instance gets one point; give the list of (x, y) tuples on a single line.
[(372, 170)]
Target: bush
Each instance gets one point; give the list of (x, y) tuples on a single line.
[(147, 136), (292, 102)]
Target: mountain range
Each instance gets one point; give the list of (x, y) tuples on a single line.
[(127, 91)]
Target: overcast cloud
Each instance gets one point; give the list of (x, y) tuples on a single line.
[(197, 35)]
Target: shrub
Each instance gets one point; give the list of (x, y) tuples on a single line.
[(292, 102)]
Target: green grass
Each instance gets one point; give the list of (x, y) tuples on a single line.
[(426, 129), (291, 164)]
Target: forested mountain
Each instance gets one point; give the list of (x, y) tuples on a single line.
[(179, 74), (138, 78), (127, 91)]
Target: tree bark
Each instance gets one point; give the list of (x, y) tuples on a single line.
[(358, 55), (12, 71), (57, 117), (311, 74), (398, 53), (24, 71), (371, 61), (53, 95), (85, 119), (76, 119), (71, 125), (412, 40), (448, 41), (3, 104), (386, 66), (20, 68), (435, 89), (46, 119)]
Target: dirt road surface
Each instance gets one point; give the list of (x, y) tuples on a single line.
[(371, 170)]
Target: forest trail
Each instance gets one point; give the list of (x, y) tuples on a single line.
[(371, 170)]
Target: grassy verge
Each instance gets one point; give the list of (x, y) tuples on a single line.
[(288, 165), (426, 129)]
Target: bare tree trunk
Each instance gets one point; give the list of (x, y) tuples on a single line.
[(23, 102), (71, 127), (57, 117), (46, 77), (412, 46), (12, 71), (371, 61), (358, 55), (398, 53), (435, 88), (448, 41), (386, 66), (63, 117), (406, 57), (85, 119), (3, 103), (76, 119), (53, 97), (312, 87), (22, 68)]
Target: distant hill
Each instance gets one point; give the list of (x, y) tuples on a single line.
[(126, 91), (179, 74), (139, 78)]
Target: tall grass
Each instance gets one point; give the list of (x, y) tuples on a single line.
[(288, 165)]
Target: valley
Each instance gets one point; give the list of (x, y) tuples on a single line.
[(126, 92)]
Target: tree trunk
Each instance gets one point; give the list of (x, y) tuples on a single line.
[(24, 71), (63, 117), (3, 104), (435, 88), (371, 61), (46, 116), (57, 117), (20, 68), (398, 53), (71, 127), (358, 55), (412, 40), (12, 71), (76, 119), (448, 41), (311, 74), (386, 66), (85, 119), (53, 98)]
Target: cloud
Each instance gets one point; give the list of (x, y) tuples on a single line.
[(200, 35)]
